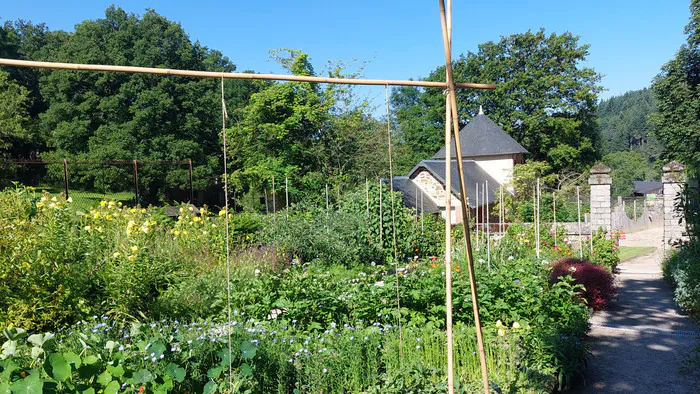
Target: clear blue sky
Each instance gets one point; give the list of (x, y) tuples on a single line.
[(630, 39)]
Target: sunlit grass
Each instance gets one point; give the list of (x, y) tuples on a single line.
[(628, 252)]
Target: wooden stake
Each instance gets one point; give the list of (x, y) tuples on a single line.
[(463, 193), (476, 218), (381, 216), (267, 205), (189, 167), (65, 176), (554, 207), (223, 75), (136, 182), (367, 195), (488, 229), (286, 196), (578, 206), (538, 218), (274, 203)]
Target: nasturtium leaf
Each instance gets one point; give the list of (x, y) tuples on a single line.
[(247, 349), (246, 370), (104, 378), (5, 388), (214, 373), (176, 372), (14, 334), (110, 345), (143, 376), (116, 370), (32, 384), (8, 366), (209, 388), (73, 358), (60, 368), (89, 390), (90, 360), (112, 387)]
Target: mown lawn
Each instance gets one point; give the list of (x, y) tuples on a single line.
[(628, 252)]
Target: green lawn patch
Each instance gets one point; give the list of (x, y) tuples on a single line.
[(628, 252)]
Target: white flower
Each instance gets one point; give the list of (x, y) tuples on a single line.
[(572, 269), (511, 258), (257, 272), (516, 325)]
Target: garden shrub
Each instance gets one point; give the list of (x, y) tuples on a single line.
[(598, 284), (682, 270)]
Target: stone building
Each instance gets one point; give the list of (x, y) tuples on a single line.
[(489, 155)]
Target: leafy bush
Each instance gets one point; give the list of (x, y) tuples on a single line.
[(598, 284), (682, 269)]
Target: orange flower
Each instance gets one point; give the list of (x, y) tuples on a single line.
[(142, 389), (23, 374), (433, 265), (456, 268)]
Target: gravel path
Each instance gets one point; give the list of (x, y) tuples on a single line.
[(639, 344)]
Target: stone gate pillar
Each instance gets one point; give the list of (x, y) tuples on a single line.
[(600, 182), (674, 221)]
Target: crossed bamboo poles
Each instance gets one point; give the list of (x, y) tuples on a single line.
[(451, 130)]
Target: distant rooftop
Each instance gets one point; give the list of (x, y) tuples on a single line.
[(644, 188), (483, 137)]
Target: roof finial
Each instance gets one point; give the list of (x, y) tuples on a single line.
[(481, 110)]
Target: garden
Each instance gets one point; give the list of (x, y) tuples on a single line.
[(129, 299)]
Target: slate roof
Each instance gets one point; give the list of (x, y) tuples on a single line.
[(643, 188), (412, 193), (483, 137), (473, 174)]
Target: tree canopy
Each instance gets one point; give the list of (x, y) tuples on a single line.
[(544, 98), (677, 90)]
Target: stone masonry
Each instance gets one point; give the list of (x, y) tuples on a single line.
[(436, 190), (674, 221), (601, 212)]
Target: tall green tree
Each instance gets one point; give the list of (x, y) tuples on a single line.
[(544, 98), (314, 134), (118, 116), (14, 114), (624, 121), (677, 90)]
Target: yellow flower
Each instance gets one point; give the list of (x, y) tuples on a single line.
[(133, 210), (191, 209), (222, 212), (43, 198), (99, 229), (132, 257), (134, 248), (103, 203), (69, 199), (213, 225), (108, 217), (111, 204), (501, 332), (499, 323), (176, 232), (54, 199), (96, 215), (87, 228), (119, 204), (516, 325), (40, 205), (116, 254), (143, 210), (52, 205), (130, 224), (195, 219)]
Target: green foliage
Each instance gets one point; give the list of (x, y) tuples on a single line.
[(682, 269), (677, 92), (627, 167), (553, 117), (624, 123)]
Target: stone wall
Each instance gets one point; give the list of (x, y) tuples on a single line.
[(600, 182), (436, 191)]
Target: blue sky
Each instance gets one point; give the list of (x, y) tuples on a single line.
[(630, 39)]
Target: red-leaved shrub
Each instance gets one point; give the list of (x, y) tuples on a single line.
[(598, 282)]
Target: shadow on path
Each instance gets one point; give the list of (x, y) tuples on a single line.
[(639, 344)]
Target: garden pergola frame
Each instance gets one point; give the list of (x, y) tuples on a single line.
[(451, 130)]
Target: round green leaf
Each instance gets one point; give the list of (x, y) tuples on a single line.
[(112, 387), (104, 378), (60, 368)]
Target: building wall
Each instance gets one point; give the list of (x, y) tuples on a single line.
[(500, 167), (436, 191)]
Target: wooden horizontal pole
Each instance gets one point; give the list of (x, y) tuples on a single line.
[(216, 74)]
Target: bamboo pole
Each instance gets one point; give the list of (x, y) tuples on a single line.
[(326, 200), (381, 217), (538, 217), (578, 206), (226, 75), (476, 217), (267, 204), (65, 176), (463, 192), (274, 197), (488, 230), (554, 217), (484, 207), (286, 196), (189, 168), (136, 183), (448, 245), (367, 195)]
